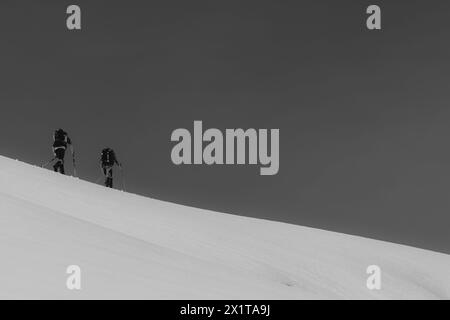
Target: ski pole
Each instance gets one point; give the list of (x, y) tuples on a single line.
[(102, 176), (123, 178), (74, 164), (98, 180), (48, 162)]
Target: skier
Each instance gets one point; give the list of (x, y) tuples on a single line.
[(60, 142), (107, 160)]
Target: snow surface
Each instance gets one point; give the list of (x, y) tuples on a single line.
[(131, 247)]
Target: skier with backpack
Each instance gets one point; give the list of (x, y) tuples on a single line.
[(107, 160), (60, 142)]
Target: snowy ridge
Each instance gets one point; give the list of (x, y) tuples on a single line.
[(131, 247)]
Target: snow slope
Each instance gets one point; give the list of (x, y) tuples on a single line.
[(133, 247)]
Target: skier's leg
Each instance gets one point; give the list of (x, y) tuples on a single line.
[(62, 155), (104, 173), (107, 172), (111, 178), (59, 165)]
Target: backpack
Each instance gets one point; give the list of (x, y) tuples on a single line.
[(60, 139), (108, 157), (60, 135)]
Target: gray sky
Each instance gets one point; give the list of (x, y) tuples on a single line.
[(363, 116)]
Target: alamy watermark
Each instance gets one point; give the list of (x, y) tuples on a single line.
[(73, 281), (235, 146), (73, 20), (374, 20), (374, 280)]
